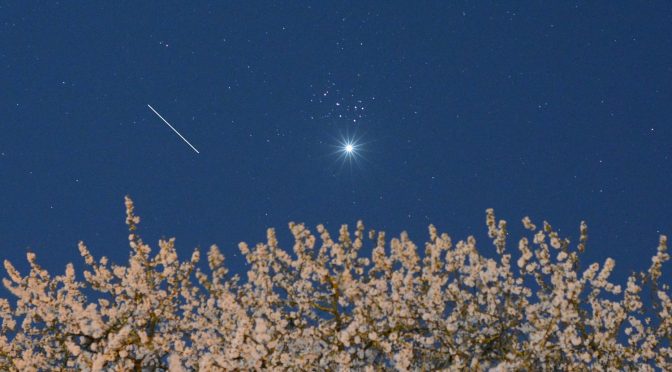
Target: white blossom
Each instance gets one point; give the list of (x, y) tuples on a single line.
[(326, 306)]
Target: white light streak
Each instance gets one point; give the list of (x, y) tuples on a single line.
[(171, 127)]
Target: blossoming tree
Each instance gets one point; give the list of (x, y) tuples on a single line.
[(325, 307)]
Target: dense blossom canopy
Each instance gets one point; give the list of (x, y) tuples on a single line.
[(326, 308)]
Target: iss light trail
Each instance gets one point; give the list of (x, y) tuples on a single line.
[(171, 127)]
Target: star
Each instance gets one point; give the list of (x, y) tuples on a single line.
[(349, 148)]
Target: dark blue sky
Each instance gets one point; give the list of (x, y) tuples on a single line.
[(560, 111)]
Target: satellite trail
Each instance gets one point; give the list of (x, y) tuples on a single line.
[(171, 127)]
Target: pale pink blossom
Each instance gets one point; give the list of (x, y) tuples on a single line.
[(327, 305)]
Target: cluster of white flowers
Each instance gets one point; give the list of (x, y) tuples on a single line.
[(325, 307)]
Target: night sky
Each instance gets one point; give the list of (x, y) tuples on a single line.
[(560, 111)]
